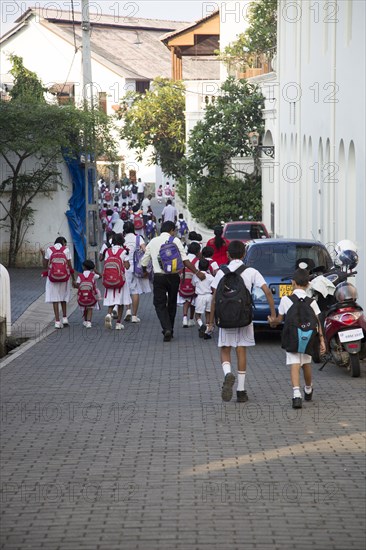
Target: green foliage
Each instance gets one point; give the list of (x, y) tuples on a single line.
[(225, 200), (32, 136), (156, 119), (261, 35), (219, 191)]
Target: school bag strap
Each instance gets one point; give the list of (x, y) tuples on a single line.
[(239, 270)]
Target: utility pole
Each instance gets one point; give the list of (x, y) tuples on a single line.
[(91, 203)]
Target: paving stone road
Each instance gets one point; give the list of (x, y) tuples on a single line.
[(116, 440), (26, 285)]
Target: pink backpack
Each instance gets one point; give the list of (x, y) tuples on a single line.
[(87, 292), (114, 271), (138, 222), (186, 288), (58, 267)]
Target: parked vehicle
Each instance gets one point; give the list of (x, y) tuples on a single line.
[(245, 231), (342, 317), (276, 260)]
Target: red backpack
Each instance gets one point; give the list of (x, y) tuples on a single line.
[(138, 222), (114, 271), (124, 214), (58, 267), (186, 288), (108, 196), (87, 292)]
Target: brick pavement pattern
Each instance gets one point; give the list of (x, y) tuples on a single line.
[(116, 440)]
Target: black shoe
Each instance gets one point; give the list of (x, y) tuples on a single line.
[(241, 396), (207, 336), (308, 396), (227, 387), (201, 331), (296, 403), (167, 336)]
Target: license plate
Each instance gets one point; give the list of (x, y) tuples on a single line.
[(285, 290), (350, 335)]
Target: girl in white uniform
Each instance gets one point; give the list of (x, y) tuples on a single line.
[(137, 285), (58, 293), (117, 296)]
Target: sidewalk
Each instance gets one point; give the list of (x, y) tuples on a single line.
[(116, 440)]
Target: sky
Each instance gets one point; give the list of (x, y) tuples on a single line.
[(188, 10)]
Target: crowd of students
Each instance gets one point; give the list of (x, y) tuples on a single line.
[(133, 265)]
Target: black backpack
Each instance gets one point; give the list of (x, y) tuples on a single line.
[(134, 189), (233, 302), (300, 330)]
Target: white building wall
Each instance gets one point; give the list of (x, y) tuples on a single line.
[(320, 189)]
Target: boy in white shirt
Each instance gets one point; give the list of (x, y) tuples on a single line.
[(296, 361), (203, 297)]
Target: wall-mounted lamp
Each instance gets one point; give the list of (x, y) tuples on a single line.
[(268, 150)]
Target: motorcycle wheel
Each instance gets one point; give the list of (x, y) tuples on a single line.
[(355, 365)]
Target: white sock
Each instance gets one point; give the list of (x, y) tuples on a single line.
[(308, 389), (241, 381), (226, 367), (199, 322), (297, 392)]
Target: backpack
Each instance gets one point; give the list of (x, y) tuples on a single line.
[(87, 295), (114, 270), (233, 302), (169, 257), (123, 214), (300, 330), (58, 267), (167, 191), (108, 222), (183, 227), (159, 192), (186, 288), (150, 229), (134, 189), (124, 194), (107, 196), (137, 257), (138, 222)]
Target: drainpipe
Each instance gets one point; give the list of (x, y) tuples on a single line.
[(332, 152)]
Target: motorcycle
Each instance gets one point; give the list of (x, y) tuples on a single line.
[(343, 319)]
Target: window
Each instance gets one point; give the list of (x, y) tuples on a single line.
[(65, 93), (142, 86)]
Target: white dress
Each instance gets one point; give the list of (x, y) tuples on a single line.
[(121, 296), (137, 285), (57, 292)]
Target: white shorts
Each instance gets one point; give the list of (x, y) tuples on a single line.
[(203, 303), (298, 358), (235, 337)]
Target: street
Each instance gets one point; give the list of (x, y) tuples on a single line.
[(117, 440)]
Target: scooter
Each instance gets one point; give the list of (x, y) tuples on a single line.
[(342, 318)]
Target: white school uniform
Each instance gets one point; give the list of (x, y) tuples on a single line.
[(96, 277), (241, 336), (285, 304), (137, 285), (118, 296), (203, 291), (57, 292)]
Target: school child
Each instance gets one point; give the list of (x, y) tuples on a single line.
[(117, 292), (57, 260), (167, 191), (159, 193), (194, 237), (103, 212), (137, 285), (187, 298), (203, 298), (116, 208), (208, 252), (150, 228), (137, 220), (296, 361), (88, 293), (237, 337), (182, 227)]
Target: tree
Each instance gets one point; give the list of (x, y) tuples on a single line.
[(218, 190), (251, 47), (156, 119), (32, 136)]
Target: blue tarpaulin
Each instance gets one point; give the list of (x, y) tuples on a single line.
[(76, 214)]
